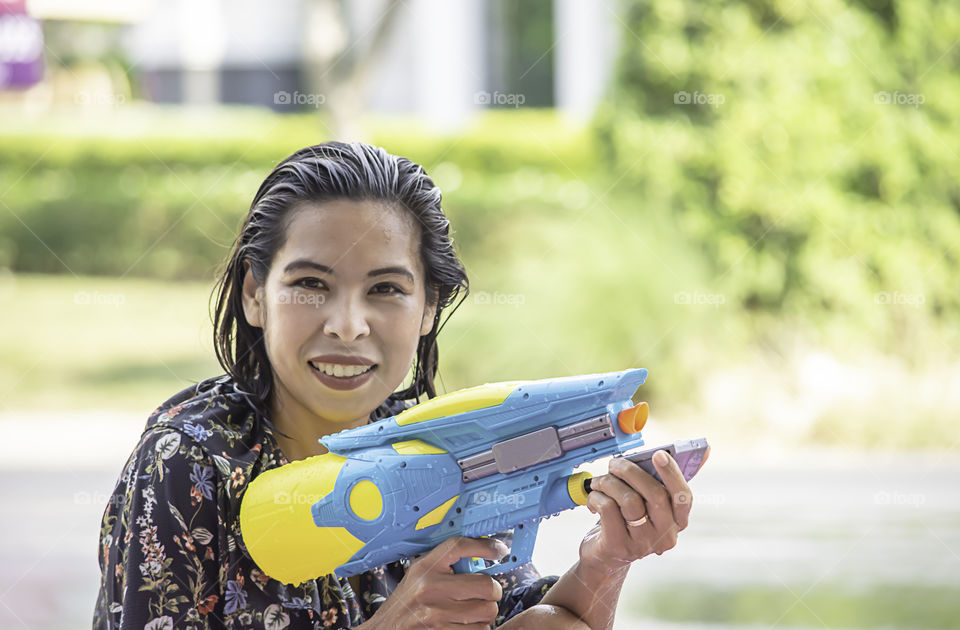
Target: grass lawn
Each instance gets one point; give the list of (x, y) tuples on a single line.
[(911, 607), (101, 343)]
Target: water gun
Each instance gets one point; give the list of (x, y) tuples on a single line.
[(469, 463)]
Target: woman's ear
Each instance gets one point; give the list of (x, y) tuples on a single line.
[(252, 298), (429, 312)]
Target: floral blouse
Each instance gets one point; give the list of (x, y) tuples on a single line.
[(171, 554)]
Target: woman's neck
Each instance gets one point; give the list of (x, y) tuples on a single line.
[(295, 450), (304, 428)]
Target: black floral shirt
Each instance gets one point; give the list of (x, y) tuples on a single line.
[(171, 554)]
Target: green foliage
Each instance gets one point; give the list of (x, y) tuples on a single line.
[(763, 125)]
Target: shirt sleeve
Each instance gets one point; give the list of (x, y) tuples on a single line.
[(523, 586), (158, 541)]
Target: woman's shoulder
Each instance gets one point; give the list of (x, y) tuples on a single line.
[(214, 416)]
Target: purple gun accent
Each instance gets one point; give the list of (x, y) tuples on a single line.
[(689, 455)]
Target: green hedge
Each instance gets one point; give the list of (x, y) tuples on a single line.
[(157, 193)]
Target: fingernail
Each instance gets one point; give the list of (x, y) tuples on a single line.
[(502, 548), (660, 457)]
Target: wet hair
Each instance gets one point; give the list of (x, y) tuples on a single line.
[(325, 172)]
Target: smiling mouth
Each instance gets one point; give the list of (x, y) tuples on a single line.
[(338, 370)]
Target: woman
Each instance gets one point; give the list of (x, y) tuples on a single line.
[(335, 287)]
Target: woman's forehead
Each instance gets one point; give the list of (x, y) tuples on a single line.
[(351, 230)]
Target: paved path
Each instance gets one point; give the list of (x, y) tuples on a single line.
[(772, 517)]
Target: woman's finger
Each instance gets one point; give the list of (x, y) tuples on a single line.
[(654, 494), (611, 521), (631, 503), (681, 498)]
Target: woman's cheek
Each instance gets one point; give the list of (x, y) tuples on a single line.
[(299, 309), (286, 321)]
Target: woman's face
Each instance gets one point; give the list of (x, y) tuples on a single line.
[(346, 292)]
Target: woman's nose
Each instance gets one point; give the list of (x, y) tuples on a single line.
[(346, 319)]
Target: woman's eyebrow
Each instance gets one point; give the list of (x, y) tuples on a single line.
[(305, 263), (403, 271)]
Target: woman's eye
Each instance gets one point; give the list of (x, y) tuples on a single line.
[(387, 288), (309, 283)]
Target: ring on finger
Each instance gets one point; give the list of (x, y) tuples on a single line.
[(640, 521)]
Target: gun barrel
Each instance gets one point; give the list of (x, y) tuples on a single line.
[(514, 454)]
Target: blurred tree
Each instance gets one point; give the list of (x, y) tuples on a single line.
[(809, 149), (338, 59), (521, 51)]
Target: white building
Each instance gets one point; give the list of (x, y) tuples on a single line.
[(439, 59)]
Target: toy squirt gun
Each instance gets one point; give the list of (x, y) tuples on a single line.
[(469, 463)]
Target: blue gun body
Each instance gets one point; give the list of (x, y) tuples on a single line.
[(470, 463), (412, 485)]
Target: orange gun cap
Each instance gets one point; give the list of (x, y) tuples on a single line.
[(631, 420)]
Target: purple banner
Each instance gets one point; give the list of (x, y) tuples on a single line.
[(21, 46)]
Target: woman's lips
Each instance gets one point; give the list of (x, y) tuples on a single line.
[(343, 382)]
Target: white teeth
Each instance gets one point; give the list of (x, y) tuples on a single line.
[(342, 371)]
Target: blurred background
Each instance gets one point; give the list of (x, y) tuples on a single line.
[(756, 200)]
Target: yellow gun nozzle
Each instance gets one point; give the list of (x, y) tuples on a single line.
[(575, 487), (632, 419)]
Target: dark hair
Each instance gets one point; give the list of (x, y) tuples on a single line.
[(333, 170)]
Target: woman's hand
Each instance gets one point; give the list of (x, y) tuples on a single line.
[(638, 514), (430, 595)]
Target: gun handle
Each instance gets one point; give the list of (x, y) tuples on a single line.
[(524, 539)]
